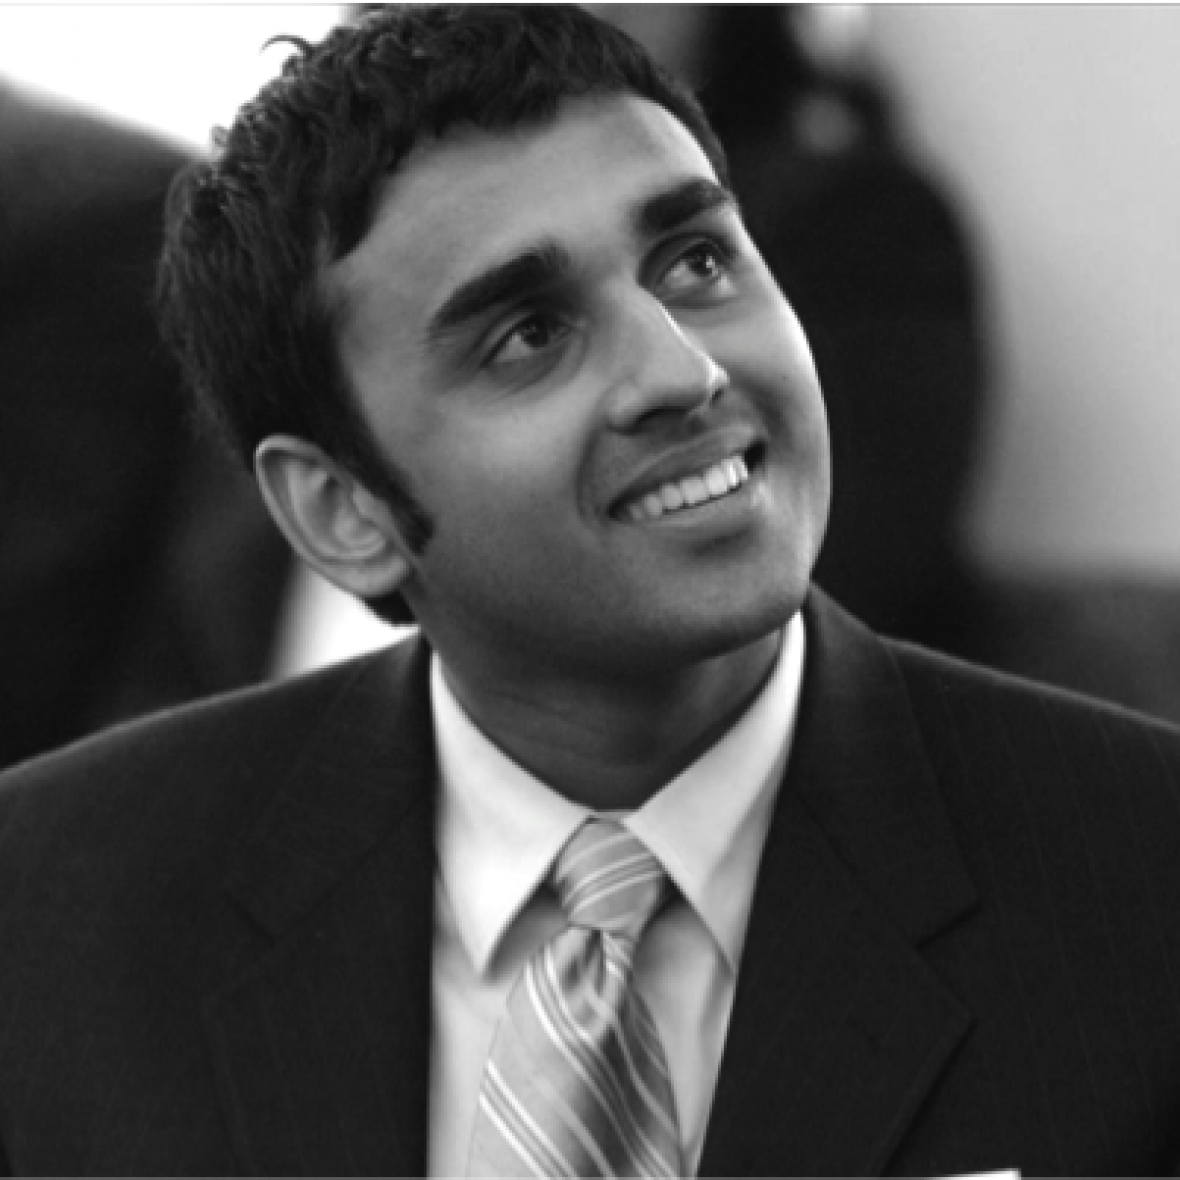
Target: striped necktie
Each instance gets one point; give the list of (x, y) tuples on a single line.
[(577, 1083)]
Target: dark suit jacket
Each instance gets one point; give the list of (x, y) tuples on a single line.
[(964, 952)]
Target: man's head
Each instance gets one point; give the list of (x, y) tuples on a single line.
[(471, 284), (293, 188)]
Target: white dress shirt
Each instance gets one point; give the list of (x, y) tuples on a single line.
[(499, 830)]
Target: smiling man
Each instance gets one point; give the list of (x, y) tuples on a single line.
[(641, 856), (566, 343)]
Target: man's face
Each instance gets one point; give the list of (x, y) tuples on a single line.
[(557, 334)]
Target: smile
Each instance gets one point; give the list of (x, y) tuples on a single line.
[(713, 483)]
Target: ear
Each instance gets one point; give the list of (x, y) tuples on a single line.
[(329, 519)]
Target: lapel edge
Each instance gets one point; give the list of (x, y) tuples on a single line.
[(864, 774), (366, 767)]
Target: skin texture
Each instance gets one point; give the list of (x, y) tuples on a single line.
[(602, 653)]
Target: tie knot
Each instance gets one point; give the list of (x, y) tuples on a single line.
[(607, 880)]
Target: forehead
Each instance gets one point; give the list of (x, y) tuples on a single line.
[(472, 198)]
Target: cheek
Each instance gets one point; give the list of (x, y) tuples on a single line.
[(785, 341), (772, 362), (493, 471)]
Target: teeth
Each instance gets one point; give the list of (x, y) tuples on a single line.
[(710, 484), (695, 490), (672, 497)]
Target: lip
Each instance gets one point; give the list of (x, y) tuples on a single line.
[(684, 461)]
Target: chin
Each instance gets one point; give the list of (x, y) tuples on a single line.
[(740, 628), (719, 629)]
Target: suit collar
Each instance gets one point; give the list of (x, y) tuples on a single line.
[(863, 773), (839, 1026), (367, 765), (859, 767)]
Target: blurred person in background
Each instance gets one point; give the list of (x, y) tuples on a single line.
[(137, 568), (873, 258)]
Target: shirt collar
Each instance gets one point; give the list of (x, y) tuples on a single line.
[(500, 828)]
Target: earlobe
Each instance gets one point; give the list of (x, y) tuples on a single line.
[(331, 521)]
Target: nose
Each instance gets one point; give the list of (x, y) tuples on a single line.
[(661, 368)]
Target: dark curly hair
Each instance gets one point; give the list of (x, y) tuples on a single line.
[(291, 189)]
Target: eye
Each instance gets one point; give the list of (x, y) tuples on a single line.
[(530, 337), (703, 265)]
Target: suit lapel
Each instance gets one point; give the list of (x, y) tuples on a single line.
[(322, 1048), (839, 1027)]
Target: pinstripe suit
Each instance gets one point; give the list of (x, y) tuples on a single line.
[(964, 952)]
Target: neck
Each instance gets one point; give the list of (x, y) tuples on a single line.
[(611, 746)]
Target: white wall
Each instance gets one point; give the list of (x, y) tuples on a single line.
[(1059, 129), (178, 68)]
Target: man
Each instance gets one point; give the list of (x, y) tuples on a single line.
[(470, 287)]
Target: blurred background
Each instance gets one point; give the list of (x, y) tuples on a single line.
[(973, 209)]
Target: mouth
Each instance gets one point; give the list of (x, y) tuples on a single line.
[(718, 481)]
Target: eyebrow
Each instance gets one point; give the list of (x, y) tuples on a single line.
[(529, 271), (667, 210), (547, 263)]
